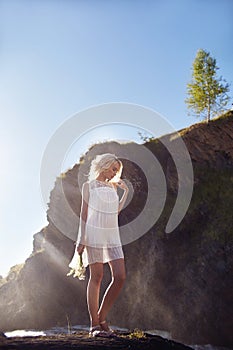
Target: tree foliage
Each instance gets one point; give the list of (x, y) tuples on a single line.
[(207, 93)]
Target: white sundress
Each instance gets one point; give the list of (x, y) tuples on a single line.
[(102, 238)]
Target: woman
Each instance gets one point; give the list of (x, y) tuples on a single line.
[(99, 240)]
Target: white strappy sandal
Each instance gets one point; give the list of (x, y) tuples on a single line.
[(98, 331), (109, 331)]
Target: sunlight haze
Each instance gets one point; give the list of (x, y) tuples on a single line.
[(60, 57)]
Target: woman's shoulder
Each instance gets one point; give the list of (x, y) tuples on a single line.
[(90, 184)]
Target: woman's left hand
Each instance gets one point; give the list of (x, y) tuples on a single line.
[(80, 249)]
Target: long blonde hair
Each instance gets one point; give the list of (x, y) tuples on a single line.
[(103, 162)]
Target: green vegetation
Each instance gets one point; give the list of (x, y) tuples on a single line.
[(212, 204), (224, 116), (145, 137), (135, 334), (207, 93)]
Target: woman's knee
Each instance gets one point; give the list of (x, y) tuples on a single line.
[(96, 274), (118, 271), (119, 278)]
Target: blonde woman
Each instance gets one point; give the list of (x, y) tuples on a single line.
[(99, 240)]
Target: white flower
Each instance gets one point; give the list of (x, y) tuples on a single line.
[(79, 270), (70, 273)]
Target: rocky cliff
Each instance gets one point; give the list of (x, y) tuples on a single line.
[(179, 282)]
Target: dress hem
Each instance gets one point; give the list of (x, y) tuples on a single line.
[(105, 262)]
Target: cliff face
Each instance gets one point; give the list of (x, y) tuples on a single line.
[(179, 282)]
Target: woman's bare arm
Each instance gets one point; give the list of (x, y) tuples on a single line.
[(122, 185), (83, 217)]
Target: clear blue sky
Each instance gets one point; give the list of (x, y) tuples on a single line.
[(59, 57)]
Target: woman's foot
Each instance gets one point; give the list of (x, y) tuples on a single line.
[(97, 331), (105, 327), (94, 331)]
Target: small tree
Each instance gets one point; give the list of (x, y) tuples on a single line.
[(207, 93)]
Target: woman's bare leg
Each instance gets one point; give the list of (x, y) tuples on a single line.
[(118, 277), (93, 291)]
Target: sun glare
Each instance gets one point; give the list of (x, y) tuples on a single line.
[(103, 133)]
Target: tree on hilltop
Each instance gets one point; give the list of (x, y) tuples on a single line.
[(207, 93)]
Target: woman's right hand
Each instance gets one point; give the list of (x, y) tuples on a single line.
[(80, 248)]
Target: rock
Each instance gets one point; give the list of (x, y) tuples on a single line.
[(179, 283), (82, 341)]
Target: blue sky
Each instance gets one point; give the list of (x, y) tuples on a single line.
[(60, 57)]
